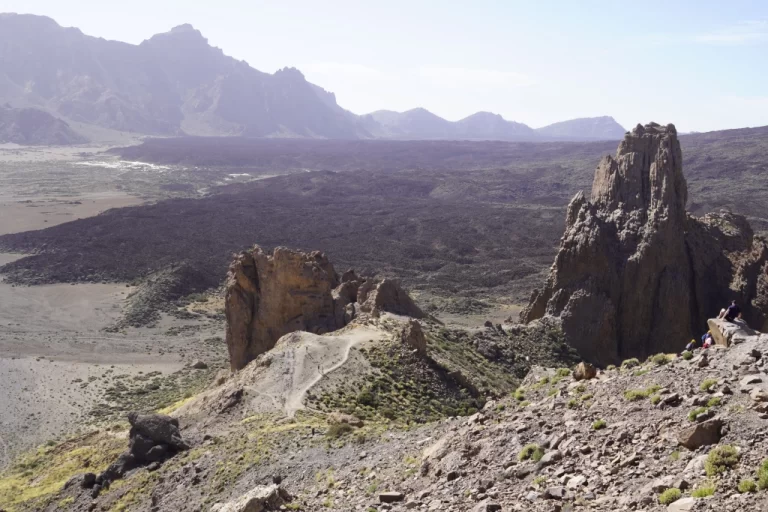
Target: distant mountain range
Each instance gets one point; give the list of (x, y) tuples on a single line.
[(176, 83)]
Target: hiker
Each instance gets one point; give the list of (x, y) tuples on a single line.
[(732, 313)]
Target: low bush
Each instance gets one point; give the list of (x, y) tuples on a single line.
[(746, 486), (704, 491), (762, 476), (336, 430), (599, 425), (692, 415), (708, 384), (532, 452), (687, 355), (638, 394), (720, 459), (661, 359), (670, 496), (715, 401), (630, 363)]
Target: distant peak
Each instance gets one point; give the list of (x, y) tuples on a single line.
[(185, 32), (186, 27), (290, 72)]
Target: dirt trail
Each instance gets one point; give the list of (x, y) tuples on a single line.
[(298, 363)]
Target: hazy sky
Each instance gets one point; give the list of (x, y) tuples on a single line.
[(698, 63)]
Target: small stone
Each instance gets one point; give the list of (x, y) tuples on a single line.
[(199, 365)]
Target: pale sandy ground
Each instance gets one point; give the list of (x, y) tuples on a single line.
[(38, 212), (497, 315), (56, 360)]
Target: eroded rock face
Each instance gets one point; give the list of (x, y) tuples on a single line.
[(634, 274), (270, 295)]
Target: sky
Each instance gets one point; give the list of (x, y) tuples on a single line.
[(700, 64)]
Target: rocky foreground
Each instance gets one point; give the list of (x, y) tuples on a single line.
[(673, 433)]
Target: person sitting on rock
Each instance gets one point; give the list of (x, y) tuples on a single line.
[(732, 313)]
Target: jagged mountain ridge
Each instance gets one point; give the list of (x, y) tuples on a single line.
[(171, 83), (177, 83)]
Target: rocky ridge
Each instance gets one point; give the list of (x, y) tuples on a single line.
[(270, 295), (635, 274)]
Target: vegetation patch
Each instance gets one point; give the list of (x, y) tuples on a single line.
[(704, 491), (670, 496), (720, 459), (708, 384), (599, 425), (633, 395), (695, 412), (532, 452), (38, 475), (746, 486)]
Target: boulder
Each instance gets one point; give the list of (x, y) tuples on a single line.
[(413, 335), (158, 428), (701, 434), (259, 499), (634, 273), (386, 295), (682, 505), (584, 371), (725, 333), (391, 497)]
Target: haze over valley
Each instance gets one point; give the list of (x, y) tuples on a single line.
[(223, 290)]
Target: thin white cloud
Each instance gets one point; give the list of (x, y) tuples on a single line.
[(474, 77), (742, 33)]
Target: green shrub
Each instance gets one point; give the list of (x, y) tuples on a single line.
[(687, 355), (610, 367), (599, 425), (552, 392), (708, 384), (640, 372), (519, 394), (533, 452), (580, 388), (539, 480), (630, 363), (660, 359), (746, 486), (721, 459), (692, 415), (525, 403), (336, 430), (572, 403), (714, 401), (655, 399), (762, 476), (637, 394), (670, 496), (586, 397), (563, 372), (704, 491), (674, 456)]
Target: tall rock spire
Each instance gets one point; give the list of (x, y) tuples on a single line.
[(621, 281)]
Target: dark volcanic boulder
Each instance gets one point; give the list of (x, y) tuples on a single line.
[(157, 429)]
